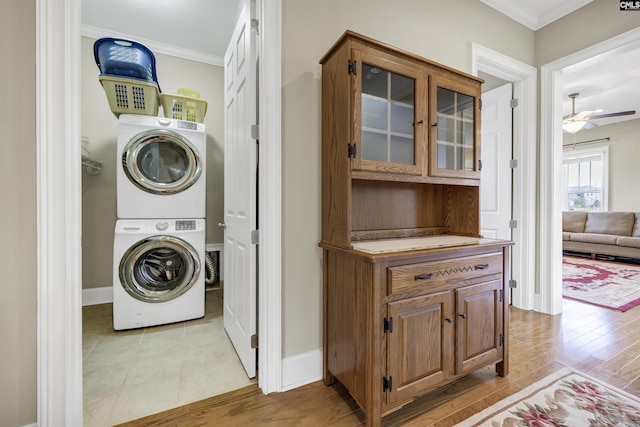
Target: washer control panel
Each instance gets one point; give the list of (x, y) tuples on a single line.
[(183, 225), (162, 225)]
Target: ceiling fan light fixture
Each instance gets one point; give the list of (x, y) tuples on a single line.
[(573, 126)]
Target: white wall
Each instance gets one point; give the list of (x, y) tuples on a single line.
[(624, 153), (101, 126), (438, 30)]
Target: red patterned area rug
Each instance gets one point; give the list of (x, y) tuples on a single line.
[(602, 283), (566, 398)]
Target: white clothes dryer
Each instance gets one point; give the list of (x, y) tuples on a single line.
[(158, 272), (161, 168)]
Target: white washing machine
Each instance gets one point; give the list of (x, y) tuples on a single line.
[(161, 168), (158, 271)]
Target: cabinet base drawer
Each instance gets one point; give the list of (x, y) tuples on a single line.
[(431, 275)]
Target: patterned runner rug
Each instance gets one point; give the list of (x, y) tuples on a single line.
[(566, 398), (602, 283)]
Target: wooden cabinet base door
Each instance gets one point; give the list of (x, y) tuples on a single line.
[(420, 345)]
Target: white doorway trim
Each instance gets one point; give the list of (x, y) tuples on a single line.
[(59, 206), (59, 218), (270, 191), (524, 79), (551, 159)]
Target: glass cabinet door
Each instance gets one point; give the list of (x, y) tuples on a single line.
[(390, 136), (454, 149)]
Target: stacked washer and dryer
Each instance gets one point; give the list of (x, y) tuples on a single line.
[(159, 242)]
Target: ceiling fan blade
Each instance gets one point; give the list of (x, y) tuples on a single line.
[(604, 116), (583, 115)]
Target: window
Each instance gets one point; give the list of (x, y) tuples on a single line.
[(585, 174)]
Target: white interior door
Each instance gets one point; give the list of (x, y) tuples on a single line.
[(240, 183), (495, 190)]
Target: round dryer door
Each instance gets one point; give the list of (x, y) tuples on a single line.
[(159, 269), (161, 162)]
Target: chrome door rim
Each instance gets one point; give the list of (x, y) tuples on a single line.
[(138, 178), (128, 268)]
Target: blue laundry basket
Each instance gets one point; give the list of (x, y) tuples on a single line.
[(125, 58)]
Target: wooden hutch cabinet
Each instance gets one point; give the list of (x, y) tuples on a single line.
[(414, 297)]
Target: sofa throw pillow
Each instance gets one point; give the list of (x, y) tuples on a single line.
[(618, 223), (636, 227), (573, 222)]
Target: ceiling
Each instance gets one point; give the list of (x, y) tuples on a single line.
[(610, 85), (169, 26), (200, 29)]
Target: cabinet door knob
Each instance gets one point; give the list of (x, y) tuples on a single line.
[(423, 276), (464, 316), (222, 225), (482, 266), (448, 319), (420, 122)]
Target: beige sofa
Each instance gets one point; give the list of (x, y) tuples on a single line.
[(602, 233)]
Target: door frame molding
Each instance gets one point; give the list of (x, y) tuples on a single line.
[(270, 196), (59, 213), (524, 80), (551, 77), (59, 209)]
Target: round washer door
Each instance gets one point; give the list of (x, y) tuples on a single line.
[(159, 269), (161, 162)]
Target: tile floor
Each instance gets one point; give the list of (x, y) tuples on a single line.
[(135, 373)]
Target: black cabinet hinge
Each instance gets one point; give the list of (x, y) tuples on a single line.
[(479, 165), (387, 383), (388, 325), (352, 67), (501, 295), (480, 104), (352, 150), (501, 340)]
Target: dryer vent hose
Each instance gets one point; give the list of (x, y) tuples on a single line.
[(211, 272)]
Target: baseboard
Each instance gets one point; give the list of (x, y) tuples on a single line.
[(31, 425), (212, 247), (94, 296), (301, 369)]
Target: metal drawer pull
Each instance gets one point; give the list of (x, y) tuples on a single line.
[(482, 266), (448, 319), (464, 316), (423, 276)]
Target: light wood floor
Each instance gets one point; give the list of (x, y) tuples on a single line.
[(600, 342)]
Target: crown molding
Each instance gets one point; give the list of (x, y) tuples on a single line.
[(524, 11), (156, 47)]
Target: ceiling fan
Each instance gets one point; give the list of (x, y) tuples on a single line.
[(575, 122)]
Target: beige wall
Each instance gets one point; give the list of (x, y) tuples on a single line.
[(434, 29), (624, 152), (101, 126), (18, 214), (430, 28)]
